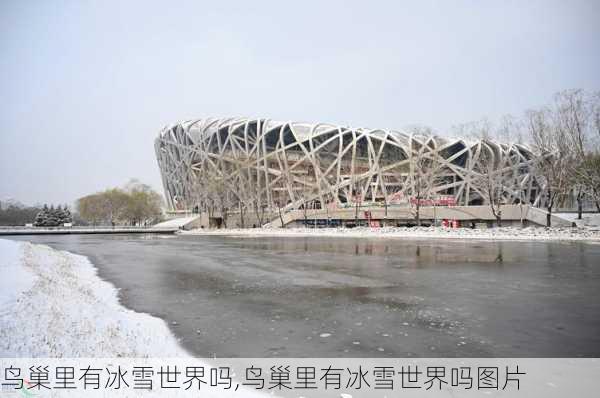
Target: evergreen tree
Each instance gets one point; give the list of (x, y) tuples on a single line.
[(68, 216), (52, 219), (52, 216), (60, 216), (40, 218)]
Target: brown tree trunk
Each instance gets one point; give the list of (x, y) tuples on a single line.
[(224, 217), (241, 215), (579, 205), (257, 212), (498, 214), (549, 208), (280, 216)]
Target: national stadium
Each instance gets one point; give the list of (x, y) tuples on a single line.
[(255, 172)]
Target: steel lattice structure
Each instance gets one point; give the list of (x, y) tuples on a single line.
[(260, 163)]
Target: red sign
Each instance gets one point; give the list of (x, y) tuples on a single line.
[(448, 200)]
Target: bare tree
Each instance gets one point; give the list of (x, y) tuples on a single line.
[(517, 183), (490, 177), (217, 186), (137, 204), (589, 176), (427, 171), (572, 115), (578, 118), (595, 106), (475, 130), (554, 157), (242, 214), (509, 130), (114, 202), (144, 205), (357, 192), (257, 204), (259, 212), (241, 196), (90, 208)]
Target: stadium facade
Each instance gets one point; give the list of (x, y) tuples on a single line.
[(245, 164)]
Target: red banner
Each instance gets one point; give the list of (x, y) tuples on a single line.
[(447, 200)]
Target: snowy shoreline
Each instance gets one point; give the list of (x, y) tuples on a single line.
[(506, 233), (53, 304)]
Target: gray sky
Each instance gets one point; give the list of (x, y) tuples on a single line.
[(86, 86)]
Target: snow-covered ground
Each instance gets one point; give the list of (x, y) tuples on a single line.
[(507, 233), (176, 222), (53, 304), (587, 219)]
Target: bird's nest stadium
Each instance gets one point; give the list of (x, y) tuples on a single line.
[(244, 164)]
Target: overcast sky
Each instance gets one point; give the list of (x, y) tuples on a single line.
[(86, 86)]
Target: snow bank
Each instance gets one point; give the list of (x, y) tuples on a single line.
[(531, 233), (53, 304), (14, 279)]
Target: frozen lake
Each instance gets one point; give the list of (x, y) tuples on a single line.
[(357, 297)]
